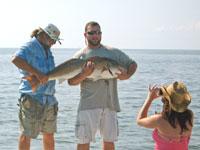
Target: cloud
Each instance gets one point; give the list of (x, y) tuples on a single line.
[(193, 27)]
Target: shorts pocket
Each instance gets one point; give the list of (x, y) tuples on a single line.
[(28, 109), (80, 130), (52, 113)]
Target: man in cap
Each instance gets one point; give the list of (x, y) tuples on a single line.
[(38, 109)]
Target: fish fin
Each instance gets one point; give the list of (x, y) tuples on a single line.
[(61, 80), (33, 81), (105, 68), (110, 71)]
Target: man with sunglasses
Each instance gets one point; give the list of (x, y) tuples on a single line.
[(99, 102), (37, 110)]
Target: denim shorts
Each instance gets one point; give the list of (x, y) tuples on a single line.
[(35, 118)]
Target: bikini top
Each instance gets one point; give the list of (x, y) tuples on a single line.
[(170, 144)]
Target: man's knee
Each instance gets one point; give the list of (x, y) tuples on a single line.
[(108, 145), (48, 141), (48, 136), (24, 139), (24, 142), (83, 146)]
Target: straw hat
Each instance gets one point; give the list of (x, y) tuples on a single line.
[(177, 95)]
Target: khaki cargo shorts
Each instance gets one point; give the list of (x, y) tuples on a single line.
[(35, 118)]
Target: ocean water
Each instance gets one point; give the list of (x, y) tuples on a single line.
[(154, 67)]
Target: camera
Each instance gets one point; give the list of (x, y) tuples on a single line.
[(160, 92)]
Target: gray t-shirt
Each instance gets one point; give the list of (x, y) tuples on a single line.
[(101, 93)]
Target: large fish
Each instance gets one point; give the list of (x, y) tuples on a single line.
[(104, 69)]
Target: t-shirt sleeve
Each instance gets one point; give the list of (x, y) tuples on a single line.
[(123, 58)]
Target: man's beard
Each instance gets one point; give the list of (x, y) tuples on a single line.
[(94, 43), (45, 46)]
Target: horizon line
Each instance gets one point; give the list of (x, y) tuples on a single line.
[(119, 48)]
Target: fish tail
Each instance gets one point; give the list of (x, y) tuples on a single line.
[(33, 81)]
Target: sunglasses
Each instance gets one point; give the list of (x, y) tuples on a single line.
[(50, 39), (94, 32)]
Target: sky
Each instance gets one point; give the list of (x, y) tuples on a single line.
[(125, 24)]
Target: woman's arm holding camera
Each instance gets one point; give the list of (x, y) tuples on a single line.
[(142, 118)]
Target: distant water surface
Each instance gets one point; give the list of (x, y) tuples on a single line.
[(154, 66)]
